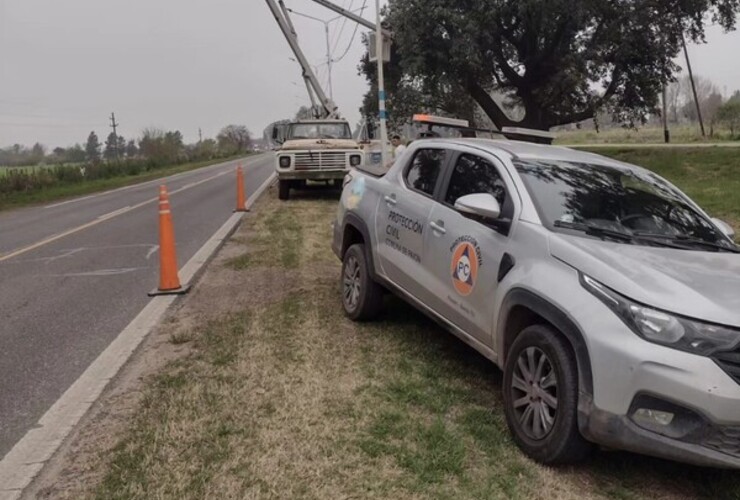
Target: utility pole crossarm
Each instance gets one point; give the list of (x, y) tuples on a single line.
[(350, 15)]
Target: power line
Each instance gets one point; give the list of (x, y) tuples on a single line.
[(354, 34), (341, 30)]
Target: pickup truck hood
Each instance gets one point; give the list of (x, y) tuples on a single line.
[(699, 284), (319, 144)]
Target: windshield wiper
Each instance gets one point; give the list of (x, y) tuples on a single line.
[(689, 241), (603, 233)]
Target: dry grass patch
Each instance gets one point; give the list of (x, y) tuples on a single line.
[(282, 397)]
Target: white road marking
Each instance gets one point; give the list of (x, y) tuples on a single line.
[(29, 455), (101, 272), (114, 213), (152, 251), (107, 217)]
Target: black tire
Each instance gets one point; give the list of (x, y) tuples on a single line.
[(338, 183), (283, 190), (362, 298), (528, 399)]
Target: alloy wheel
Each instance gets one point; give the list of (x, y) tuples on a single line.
[(534, 391), (351, 283)]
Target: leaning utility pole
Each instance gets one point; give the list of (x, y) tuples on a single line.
[(693, 86), (113, 125)]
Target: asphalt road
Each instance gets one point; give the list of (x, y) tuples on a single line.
[(73, 275)]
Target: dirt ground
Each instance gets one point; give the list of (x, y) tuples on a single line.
[(256, 386)]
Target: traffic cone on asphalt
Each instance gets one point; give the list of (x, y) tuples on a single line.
[(241, 198), (169, 281)]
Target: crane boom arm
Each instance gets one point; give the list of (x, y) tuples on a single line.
[(329, 108)]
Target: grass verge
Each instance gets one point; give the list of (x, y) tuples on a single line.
[(282, 397), (60, 192)]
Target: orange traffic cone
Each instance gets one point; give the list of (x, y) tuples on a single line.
[(241, 199), (169, 281)]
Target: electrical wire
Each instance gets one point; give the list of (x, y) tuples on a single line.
[(341, 30), (354, 34)]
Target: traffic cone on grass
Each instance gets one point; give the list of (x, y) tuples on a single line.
[(241, 198), (169, 281)]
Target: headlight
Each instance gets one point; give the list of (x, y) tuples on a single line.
[(284, 161), (665, 328), (355, 160)]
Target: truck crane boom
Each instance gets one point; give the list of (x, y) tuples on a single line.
[(328, 107)]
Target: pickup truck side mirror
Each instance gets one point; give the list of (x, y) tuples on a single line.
[(725, 228), (481, 204)]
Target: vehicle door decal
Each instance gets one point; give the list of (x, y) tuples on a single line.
[(466, 259)]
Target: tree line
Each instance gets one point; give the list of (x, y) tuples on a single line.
[(115, 157), (155, 147)]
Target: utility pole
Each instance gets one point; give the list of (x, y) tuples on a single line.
[(200, 135), (666, 132), (113, 125), (381, 87), (693, 86)]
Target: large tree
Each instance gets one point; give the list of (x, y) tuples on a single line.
[(560, 61)]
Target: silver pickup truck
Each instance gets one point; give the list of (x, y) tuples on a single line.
[(610, 300)]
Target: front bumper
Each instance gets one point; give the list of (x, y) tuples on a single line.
[(630, 373), (312, 175), (706, 444)]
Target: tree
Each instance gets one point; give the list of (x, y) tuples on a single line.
[(92, 148), (233, 139), (559, 60), (304, 113), (74, 154), (111, 151), (729, 115), (131, 149), (707, 94), (160, 147)]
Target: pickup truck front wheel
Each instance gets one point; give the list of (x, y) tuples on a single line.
[(541, 397), (362, 297), (283, 189)]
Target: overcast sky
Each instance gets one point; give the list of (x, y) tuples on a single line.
[(184, 64)]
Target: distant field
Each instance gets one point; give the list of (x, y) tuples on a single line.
[(679, 135)]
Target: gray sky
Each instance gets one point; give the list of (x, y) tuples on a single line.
[(184, 64)]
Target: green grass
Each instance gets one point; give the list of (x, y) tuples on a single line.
[(680, 134), (710, 176), (60, 192), (289, 399)]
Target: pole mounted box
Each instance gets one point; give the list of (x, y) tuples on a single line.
[(372, 50)]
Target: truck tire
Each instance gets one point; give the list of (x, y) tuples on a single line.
[(541, 397), (283, 190), (362, 297)]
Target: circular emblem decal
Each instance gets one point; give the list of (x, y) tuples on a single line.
[(464, 268)]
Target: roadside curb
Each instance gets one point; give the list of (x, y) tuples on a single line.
[(29, 455)]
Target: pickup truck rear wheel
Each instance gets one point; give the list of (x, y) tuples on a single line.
[(541, 397), (283, 190), (362, 298)]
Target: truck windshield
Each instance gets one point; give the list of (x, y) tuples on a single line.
[(320, 131), (570, 194)]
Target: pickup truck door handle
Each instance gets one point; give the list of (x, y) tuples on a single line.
[(438, 227), (391, 200)]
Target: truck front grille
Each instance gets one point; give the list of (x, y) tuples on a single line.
[(729, 362), (331, 160)]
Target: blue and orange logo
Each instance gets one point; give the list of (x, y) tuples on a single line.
[(464, 268)]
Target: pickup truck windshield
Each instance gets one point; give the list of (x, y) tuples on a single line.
[(320, 131), (569, 194)]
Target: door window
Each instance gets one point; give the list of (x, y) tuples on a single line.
[(472, 175), (424, 170)]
